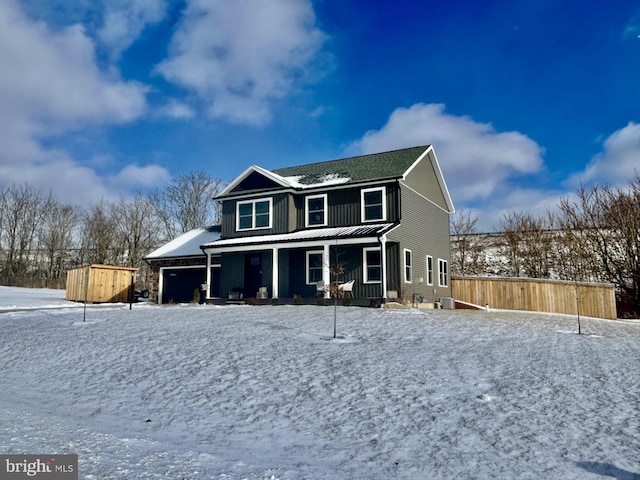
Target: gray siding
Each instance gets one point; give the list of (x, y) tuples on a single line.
[(351, 257), (424, 180), (344, 206), (424, 230), (279, 221), (393, 267), (233, 268)]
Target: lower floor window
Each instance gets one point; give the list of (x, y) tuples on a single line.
[(314, 267), (443, 273), (372, 259), (408, 274)]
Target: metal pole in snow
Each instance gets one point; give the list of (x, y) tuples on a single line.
[(86, 290), (578, 308), (131, 292)]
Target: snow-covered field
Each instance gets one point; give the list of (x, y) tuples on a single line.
[(203, 392)]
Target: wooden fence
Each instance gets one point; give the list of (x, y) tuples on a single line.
[(539, 295), (99, 283)]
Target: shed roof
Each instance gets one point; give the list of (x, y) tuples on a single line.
[(187, 244)]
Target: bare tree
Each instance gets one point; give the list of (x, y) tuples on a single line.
[(137, 227), (23, 210), (187, 203), (138, 230), (467, 255), (572, 260), (511, 227), (527, 244), (605, 223), (58, 241), (99, 237), (536, 246)]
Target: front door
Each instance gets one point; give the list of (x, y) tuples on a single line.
[(252, 274)]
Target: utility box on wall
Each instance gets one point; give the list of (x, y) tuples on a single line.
[(100, 284)]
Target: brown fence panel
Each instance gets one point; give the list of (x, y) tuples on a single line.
[(538, 295)]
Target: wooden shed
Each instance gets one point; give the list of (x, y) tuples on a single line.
[(100, 284)]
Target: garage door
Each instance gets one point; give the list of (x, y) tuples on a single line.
[(178, 285)]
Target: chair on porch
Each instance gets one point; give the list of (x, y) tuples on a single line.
[(320, 289), (346, 289)]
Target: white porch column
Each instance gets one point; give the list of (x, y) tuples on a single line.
[(208, 276), (275, 276), (383, 266), (326, 273)]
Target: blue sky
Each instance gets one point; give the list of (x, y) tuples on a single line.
[(523, 101)]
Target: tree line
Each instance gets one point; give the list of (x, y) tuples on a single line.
[(42, 237), (593, 236)]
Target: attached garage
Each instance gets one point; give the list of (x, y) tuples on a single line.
[(180, 268), (178, 285)]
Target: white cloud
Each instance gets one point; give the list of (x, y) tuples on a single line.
[(536, 202), (238, 56), (134, 176), (177, 110), (66, 180), (50, 85), (477, 161), (124, 20), (617, 163), (51, 77)]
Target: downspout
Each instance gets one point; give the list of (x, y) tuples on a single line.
[(383, 260), (383, 246), (275, 274), (326, 269), (208, 276)]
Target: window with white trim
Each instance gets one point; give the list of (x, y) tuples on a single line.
[(374, 204), (372, 261), (443, 273), (314, 266), (429, 270), (408, 266), (254, 214), (316, 210)]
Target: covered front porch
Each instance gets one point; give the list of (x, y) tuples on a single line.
[(273, 269)]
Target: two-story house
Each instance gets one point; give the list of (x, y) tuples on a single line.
[(381, 220)]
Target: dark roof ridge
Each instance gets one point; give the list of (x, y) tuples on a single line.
[(353, 157)]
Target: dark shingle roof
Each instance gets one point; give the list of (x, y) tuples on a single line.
[(358, 169)]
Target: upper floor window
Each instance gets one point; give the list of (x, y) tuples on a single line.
[(253, 214), (316, 210), (374, 205), (372, 265), (443, 273)]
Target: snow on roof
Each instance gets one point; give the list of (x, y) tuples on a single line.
[(324, 180), (188, 244)]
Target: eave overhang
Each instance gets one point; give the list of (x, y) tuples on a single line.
[(357, 234)]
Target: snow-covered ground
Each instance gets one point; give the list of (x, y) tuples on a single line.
[(12, 298), (203, 392)]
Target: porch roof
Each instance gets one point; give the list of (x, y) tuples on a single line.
[(373, 230)]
